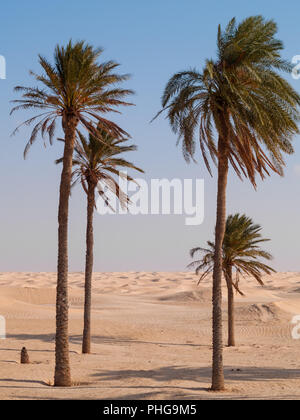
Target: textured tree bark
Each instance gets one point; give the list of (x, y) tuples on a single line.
[(230, 291), (217, 368), (62, 375), (86, 342)]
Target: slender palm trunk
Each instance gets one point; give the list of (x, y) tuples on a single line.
[(217, 368), (86, 342), (62, 376), (231, 335)]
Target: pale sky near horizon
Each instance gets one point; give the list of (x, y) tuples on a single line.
[(151, 40)]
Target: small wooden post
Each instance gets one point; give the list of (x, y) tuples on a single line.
[(24, 356)]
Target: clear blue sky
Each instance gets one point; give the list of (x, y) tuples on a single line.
[(151, 40)]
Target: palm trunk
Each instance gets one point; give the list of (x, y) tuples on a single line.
[(62, 376), (86, 342), (217, 368), (231, 335)]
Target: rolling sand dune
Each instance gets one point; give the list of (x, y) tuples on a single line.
[(151, 337)]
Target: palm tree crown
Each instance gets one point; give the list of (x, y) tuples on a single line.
[(98, 162), (242, 97), (241, 251), (75, 85)]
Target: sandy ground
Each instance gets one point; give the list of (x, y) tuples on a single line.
[(151, 338)]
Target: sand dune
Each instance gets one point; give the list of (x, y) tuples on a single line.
[(151, 337)]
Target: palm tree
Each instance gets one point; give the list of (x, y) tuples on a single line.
[(96, 163), (76, 90), (241, 252), (243, 114)]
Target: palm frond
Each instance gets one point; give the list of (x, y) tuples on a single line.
[(241, 251), (98, 162), (75, 84), (244, 85)]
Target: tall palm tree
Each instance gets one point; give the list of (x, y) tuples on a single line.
[(96, 165), (244, 114), (77, 90), (241, 252)]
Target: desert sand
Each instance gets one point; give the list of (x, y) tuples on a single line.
[(151, 338)]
